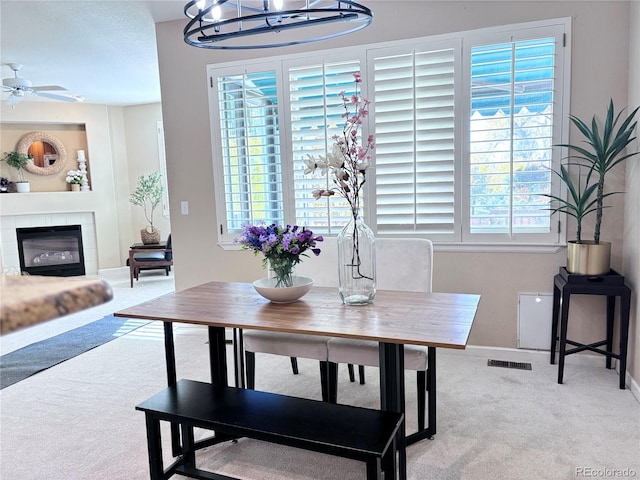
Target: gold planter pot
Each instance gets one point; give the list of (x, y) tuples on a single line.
[(588, 258)]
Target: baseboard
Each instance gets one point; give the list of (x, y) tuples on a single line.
[(111, 271), (632, 385)]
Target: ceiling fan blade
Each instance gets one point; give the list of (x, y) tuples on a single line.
[(49, 88), (55, 97)]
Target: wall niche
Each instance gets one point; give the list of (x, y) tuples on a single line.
[(72, 136)]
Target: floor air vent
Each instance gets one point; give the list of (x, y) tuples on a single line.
[(504, 364)]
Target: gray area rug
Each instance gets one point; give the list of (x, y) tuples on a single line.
[(24, 362)]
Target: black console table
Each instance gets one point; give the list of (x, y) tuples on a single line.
[(612, 285)]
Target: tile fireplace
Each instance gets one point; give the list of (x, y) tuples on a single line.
[(9, 224)]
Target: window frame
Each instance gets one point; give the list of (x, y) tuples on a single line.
[(461, 239)]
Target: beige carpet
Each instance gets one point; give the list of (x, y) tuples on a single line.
[(77, 420)]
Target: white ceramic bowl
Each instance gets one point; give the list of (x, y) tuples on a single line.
[(266, 287)]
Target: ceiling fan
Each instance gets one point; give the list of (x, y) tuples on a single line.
[(19, 87)]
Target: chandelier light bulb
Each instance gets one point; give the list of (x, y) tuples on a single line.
[(278, 4), (216, 13), (200, 4)]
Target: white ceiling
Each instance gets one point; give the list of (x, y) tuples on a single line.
[(104, 51)]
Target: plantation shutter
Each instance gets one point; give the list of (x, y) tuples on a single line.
[(415, 141), (464, 129), (250, 149), (511, 136), (316, 115)]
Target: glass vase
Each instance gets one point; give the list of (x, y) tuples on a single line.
[(281, 270), (356, 263)]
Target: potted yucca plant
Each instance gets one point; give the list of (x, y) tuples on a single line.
[(580, 200), (600, 151)]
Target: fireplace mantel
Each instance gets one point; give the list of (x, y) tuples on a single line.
[(45, 202)]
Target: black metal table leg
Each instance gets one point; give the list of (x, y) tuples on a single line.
[(217, 356), (170, 360), (154, 447), (625, 307), (238, 358), (611, 308), (564, 318), (431, 387), (392, 394), (554, 321)]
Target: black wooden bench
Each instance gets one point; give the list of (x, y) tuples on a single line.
[(352, 432)]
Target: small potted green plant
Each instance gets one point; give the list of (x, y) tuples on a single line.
[(19, 161), (600, 151), (148, 195)]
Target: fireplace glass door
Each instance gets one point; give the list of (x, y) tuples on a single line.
[(55, 251)]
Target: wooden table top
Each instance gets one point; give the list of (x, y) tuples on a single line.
[(28, 300), (148, 246), (428, 319)]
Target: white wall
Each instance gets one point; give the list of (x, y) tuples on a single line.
[(143, 158), (599, 72), (631, 251)]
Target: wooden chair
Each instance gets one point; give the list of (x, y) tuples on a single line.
[(149, 257)]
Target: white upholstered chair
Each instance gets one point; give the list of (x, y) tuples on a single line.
[(323, 269), (401, 264)]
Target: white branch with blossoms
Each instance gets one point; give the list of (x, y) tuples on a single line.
[(348, 160)]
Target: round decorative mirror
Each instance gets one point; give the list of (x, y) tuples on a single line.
[(49, 154)]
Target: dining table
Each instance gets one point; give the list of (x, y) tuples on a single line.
[(393, 319)]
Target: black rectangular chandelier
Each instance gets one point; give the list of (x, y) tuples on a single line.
[(219, 24)]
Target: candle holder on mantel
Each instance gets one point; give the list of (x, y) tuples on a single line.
[(82, 165)]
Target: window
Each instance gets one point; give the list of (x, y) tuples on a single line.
[(464, 123), (511, 116), (414, 107), (250, 148), (316, 115)]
